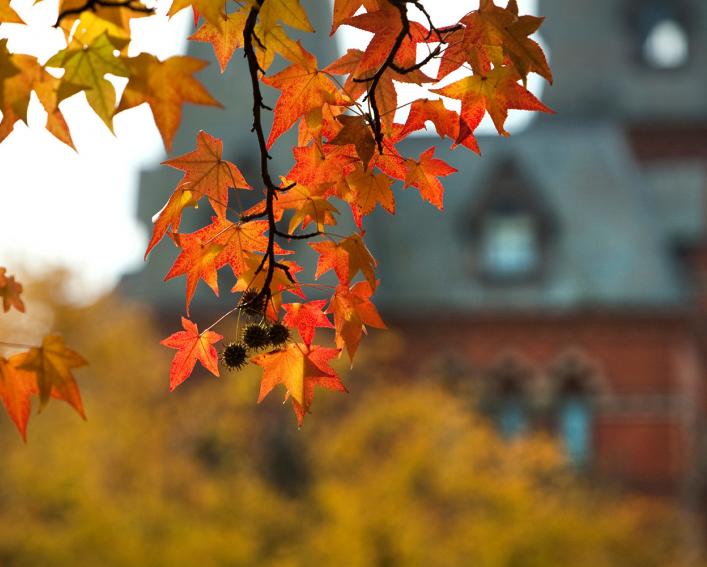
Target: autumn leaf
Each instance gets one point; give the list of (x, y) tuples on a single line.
[(289, 12), (424, 173), (86, 67), (17, 89), (52, 364), (445, 121), (197, 259), (353, 310), (493, 35), (496, 93), (305, 317), (314, 167), (16, 390), (225, 37), (346, 258), (303, 88), (191, 346), (100, 18), (171, 213), (7, 14), (357, 132), (365, 191), (308, 206), (208, 174), (10, 292), (165, 86), (299, 369), (212, 10)]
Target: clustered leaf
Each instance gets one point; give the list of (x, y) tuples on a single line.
[(348, 156)]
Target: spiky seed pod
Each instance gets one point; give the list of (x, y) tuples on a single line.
[(235, 356), (252, 303), (256, 336), (278, 334)]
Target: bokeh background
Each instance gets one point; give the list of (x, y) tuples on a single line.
[(539, 399)]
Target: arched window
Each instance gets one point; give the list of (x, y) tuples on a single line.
[(506, 397), (576, 383), (574, 422)]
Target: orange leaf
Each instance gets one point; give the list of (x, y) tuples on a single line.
[(299, 368), (353, 310), (366, 190), (225, 38), (197, 259), (495, 92), (445, 121), (207, 173), (346, 258), (52, 364), (305, 317), (16, 390), (165, 86), (303, 88), (171, 213), (10, 292), (423, 174), (191, 346)]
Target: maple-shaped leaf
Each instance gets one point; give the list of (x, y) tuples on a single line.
[(493, 35), (165, 86), (299, 369), (365, 191), (10, 291), (353, 310), (344, 9), (7, 14), (212, 10), (191, 346), (86, 67), (424, 173), (346, 258), (253, 277), (171, 213), (99, 18), (303, 87), (20, 74), (305, 317), (309, 205), (386, 25), (357, 132), (445, 121), (314, 167), (239, 240), (208, 173), (225, 37), (52, 364), (289, 12), (16, 390), (496, 93), (197, 259)]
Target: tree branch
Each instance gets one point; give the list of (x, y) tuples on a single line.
[(94, 4)]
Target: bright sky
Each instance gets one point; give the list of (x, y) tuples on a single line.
[(76, 210)]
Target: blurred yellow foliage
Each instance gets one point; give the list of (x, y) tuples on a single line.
[(390, 475)]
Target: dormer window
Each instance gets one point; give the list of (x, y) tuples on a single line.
[(509, 243), (510, 229)]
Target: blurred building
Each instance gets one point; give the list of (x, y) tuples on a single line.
[(566, 282)]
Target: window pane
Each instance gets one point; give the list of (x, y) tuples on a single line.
[(575, 428), (512, 418), (509, 244)]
